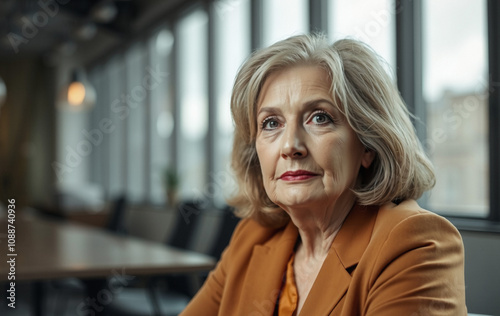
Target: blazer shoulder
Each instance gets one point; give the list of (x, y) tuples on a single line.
[(250, 232), (412, 258), (390, 215), (408, 222)]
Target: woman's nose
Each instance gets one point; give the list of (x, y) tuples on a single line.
[(293, 144)]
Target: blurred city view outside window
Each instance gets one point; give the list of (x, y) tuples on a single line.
[(455, 86), (97, 79), (232, 39), (115, 107), (160, 47), (135, 123), (372, 22), (193, 103), (284, 18)]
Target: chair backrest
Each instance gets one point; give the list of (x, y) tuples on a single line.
[(188, 214), (116, 222), (229, 222), (206, 231)]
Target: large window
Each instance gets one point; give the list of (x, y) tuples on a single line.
[(117, 115), (131, 123), (455, 86), (98, 79), (369, 21), (232, 29), (179, 79), (161, 118), (284, 18), (193, 103), (137, 101)]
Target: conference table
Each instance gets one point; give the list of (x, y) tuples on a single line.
[(49, 249)]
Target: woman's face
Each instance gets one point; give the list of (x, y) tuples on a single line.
[(308, 153)]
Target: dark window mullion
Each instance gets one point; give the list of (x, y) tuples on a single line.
[(257, 20), (409, 63), (318, 16), (409, 58), (494, 107)]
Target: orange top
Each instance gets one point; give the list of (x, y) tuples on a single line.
[(289, 297)]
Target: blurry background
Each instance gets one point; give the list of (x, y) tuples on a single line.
[(151, 107)]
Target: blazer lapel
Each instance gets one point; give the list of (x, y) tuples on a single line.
[(328, 289), (264, 276), (347, 248)]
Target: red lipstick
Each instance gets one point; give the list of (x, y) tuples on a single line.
[(297, 175)]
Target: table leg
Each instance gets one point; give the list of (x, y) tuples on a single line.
[(153, 296), (38, 298), (98, 297)]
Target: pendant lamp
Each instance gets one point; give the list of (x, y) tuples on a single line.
[(79, 94)]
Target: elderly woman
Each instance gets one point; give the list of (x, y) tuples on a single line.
[(329, 167)]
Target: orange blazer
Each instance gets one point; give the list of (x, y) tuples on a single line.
[(391, 260)]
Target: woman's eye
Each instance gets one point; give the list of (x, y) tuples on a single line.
[(321, 118), (270, 124)]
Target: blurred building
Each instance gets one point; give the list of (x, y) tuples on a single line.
[(457, 142)]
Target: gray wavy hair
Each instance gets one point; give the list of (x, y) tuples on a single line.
[(371, 104)]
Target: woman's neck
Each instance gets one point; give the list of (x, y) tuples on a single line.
[(318, 228)]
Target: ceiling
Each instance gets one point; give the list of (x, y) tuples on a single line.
[(55, 29)]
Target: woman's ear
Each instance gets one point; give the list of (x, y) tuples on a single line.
[(367, 158)]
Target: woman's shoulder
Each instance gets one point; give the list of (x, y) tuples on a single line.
[(408, 210), (409, 248), (408, 221)]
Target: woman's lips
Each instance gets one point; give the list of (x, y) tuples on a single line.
[(297, 175)]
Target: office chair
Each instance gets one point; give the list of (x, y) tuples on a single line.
[(116, 222), (229, 222)]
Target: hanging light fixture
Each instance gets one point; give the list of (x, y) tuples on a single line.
[(79, 94)]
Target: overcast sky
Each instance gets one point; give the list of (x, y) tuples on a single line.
[(454, 38), (455, 32)]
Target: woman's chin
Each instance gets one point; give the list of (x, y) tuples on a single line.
[(299, 195), (298, 201)]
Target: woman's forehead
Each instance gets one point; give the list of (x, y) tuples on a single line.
[(312, 80)]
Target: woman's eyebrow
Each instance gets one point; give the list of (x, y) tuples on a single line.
[(329, 103), (268, 109), (307, 104), (320, 100)]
